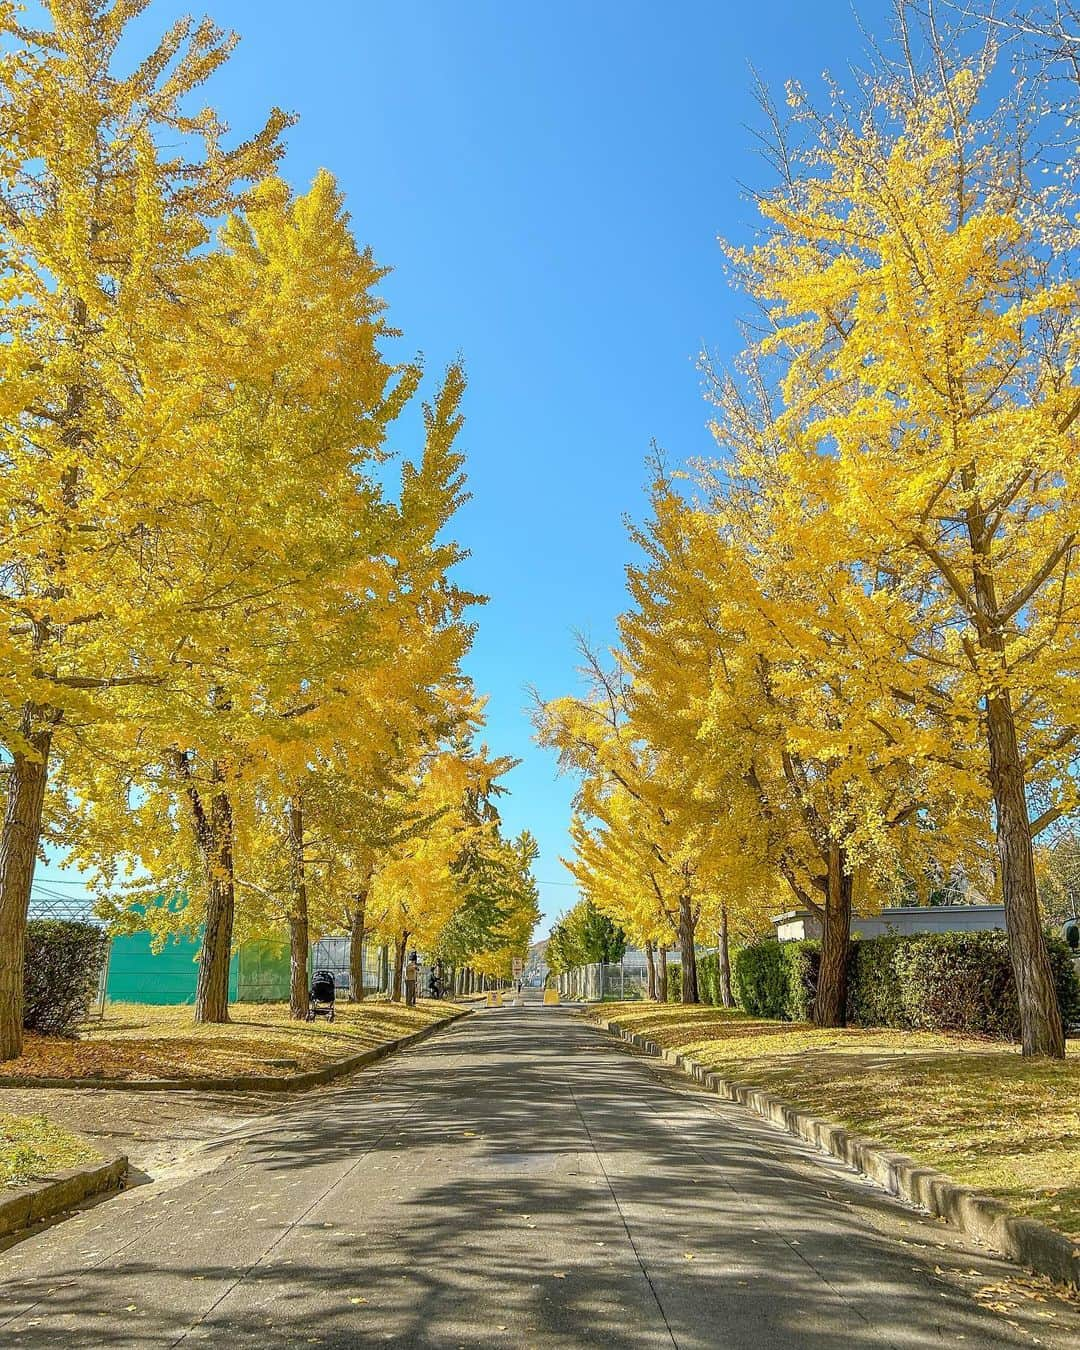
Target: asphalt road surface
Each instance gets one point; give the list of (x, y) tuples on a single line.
[(517, 1180)]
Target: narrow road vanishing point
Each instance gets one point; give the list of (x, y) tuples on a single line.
[(518, 1180)]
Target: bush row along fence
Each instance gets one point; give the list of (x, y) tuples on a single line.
[(927, 981), (74, 967)]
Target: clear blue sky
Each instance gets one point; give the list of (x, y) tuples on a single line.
[(547, 181)]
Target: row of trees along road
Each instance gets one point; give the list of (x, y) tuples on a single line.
[(232, 645), (848, 668)]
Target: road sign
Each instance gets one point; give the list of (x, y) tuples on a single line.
[(519, 966)]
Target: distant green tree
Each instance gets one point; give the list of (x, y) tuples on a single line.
[(582, 936)]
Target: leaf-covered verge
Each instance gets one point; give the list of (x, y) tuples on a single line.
[(981, 1113), (33, 1148), (137, 1040)]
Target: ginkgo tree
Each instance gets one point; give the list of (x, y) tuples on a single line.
[(101, 235), (618, 874), (233, 640), (498, 903), (756, 670), (316, 599), (922, 315), (626, 778)]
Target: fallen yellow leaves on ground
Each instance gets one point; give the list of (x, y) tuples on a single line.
[(973, 1107), (137, 1040)]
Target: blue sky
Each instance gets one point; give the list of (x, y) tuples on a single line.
[(547, 181)]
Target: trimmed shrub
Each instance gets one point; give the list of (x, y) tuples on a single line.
[(1066, 980), (964, 982), (875, 995), (802, 963), (760, 979), (708, 978), (673, 992), (777, 979), (63, 963), (930, 981)]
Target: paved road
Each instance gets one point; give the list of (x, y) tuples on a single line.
[(516, 1181)]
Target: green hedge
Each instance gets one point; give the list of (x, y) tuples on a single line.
[(875, 995), (63, 963), (964, 982), (673, 993), (777, 979), (708, 979), (930, 981)]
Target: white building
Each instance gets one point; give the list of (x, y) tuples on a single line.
[(901, 920)]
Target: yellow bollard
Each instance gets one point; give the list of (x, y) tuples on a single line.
[(498, 999), (490, 999), (551, 996)]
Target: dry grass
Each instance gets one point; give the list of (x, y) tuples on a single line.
[(972, 1107), (139, 1040), (33, 1148)]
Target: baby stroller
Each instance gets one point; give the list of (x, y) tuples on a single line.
[(321, 996)]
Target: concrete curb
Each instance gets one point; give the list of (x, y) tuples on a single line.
[(1026, 1241), (297, 1082), (21, 1206)]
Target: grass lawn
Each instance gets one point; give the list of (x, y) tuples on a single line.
[(141, 1040), (32, 1148), (971, 1107)]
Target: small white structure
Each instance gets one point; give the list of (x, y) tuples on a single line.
[(899, 920)]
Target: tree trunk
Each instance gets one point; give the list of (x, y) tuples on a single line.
[(650, 972), (19, 840), (686, 948), (723, 960), (1041, 1029), (830, 1002), (212, 988), (401, 946), (299, 936), (356, 947), (661, 993), (299, 945)]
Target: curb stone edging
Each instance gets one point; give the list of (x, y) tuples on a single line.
[(25, 1205), (991, 1223), (297, 1082)]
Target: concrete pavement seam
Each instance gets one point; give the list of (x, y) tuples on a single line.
[(795, 1249), (135, 1238), (988, 1221), (291, 1227), (288, 1229), (619, 1210)]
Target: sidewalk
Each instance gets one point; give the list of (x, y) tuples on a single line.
[(517, 1180)]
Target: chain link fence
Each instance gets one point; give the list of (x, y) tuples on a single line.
[(332, 954), (624, 981)]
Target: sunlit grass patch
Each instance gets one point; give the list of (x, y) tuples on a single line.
[(32, 1148), (138, 1040)]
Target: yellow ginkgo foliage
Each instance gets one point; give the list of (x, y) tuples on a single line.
[(922, 351), (107, 190)]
